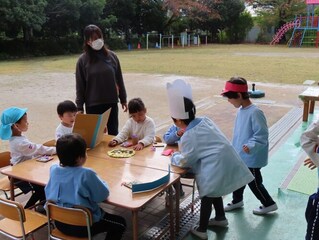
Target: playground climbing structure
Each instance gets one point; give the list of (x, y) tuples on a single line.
[(305, 29), (283, 29)]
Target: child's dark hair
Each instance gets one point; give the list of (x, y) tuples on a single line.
[(234, 95), (135, 105), (66, 106), (69, 148), (12, 126), (191, 109), (20, 119)]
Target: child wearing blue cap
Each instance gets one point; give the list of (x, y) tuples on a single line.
[(14, 122)]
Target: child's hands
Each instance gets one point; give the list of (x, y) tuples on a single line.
[(138, 146), (246, 149), (180, 132), (113, 143), (309, 164)]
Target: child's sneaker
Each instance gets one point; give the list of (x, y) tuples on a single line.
[(201, 235), (219, 223), (264, 210), (40, 209), (232, 206)]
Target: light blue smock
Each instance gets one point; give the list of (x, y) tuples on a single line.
[(171, 137), (218, 168), (69, 186), (251, 130)]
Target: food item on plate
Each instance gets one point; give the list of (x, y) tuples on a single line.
[(121, 153)]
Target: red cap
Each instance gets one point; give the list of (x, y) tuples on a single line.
[(233, 87)]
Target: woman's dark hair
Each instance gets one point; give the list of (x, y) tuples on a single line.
[(88, 32), (234, 95), (66, 106), (191, 109), (69, 148), (135, 105)]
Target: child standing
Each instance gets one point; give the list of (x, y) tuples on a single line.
[(250, 139), (138, 125), (14, 121), (309, 142), (66, 111), (86, 187), (203, 147)]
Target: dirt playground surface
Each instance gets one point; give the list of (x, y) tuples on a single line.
[(41, 92)]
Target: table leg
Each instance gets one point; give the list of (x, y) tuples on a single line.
[(312, 106), (171, 214), (135, 224), (12, 188), (305, 110), (177, 199)]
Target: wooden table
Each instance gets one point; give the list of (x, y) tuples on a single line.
[(148, 157), (309, 96), (114, 172)]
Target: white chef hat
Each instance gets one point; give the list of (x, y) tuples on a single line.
[(177, 92)]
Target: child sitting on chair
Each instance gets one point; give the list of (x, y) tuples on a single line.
[(14, 121), (203, 147), (139, 124), (72, 184), (66, 111)]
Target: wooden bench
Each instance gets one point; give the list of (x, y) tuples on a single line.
[(309, 96)]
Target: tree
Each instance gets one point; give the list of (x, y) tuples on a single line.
[(125, 12), (237, 32), (229, 13), (65, 17), (91, 12), (196, 10), (22, 16), (278, 12), (273, 13), (62, 17), (150, 16)]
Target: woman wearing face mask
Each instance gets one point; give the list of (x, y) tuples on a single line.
[(99, 80)]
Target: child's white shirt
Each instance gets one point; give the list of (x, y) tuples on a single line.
[(145, 131), (22, 149), (62, 130)]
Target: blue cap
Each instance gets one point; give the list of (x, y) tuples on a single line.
[(9, 117)]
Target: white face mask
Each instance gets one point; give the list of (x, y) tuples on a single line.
[(97, 44)]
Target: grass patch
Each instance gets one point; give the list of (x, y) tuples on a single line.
[(40, 64), (260, 63)]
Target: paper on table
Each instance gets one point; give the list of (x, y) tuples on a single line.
[(167, 152), (149, 186)]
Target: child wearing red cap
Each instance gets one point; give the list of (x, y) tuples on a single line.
[(250, 139)]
